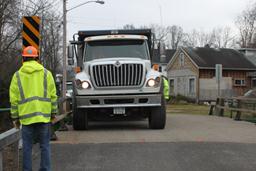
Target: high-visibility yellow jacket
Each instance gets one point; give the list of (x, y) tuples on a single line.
[(32, 94), (166, 89)]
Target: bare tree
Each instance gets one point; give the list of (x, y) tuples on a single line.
[(160, 32), (51, 42), (174, 36), (222, 38), (190, 39), (11, 12), (197, 39), (129, 27), (9, 36), (246, 25), (217, 38)]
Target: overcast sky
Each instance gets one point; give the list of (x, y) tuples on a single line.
[(189, 14)]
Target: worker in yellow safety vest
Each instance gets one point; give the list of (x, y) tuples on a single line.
[(166, 84), (33, 104), (166, 89)]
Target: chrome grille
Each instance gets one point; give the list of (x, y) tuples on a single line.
[(124, 75)]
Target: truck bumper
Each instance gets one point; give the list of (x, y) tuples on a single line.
[(145, 100)]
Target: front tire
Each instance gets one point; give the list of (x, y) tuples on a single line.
[(157, 116), (80, 120), (80, 116)]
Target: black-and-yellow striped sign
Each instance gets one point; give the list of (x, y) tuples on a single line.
[(31, 31)]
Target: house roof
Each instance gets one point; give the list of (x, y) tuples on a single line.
[(208, 57), (156, 55), (169, 54)]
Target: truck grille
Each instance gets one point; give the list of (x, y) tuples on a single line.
[(124, 75)]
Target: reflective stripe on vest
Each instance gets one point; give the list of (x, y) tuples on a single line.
[(45, 84), (20, 86), (34, 98), (14, 107), (25, 100), (30, 115)]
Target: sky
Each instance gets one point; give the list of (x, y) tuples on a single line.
[(189, 14)]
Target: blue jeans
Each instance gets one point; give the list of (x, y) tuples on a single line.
[(40, 131)]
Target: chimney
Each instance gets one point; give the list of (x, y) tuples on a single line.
[(162, 53)]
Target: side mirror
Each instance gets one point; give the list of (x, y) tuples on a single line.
[(71, 52)]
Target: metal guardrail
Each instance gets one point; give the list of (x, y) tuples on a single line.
[(10, 138), (5, 109)]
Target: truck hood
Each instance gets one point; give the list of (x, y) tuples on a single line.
[(118, 58), (145, 62)]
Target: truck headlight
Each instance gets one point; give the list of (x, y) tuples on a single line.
[(85, 85), (82, 84), (153, 82)]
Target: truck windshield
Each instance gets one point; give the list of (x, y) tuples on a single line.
[(116, 48)]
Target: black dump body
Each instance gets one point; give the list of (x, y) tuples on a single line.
[(145, 32)]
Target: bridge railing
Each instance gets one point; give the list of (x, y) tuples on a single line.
[(9, 145), (10, 140)]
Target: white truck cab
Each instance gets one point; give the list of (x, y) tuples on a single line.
[(117, 78)]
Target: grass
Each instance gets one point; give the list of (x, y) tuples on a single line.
[(195, 109), (189, 108)]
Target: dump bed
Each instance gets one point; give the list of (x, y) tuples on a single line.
[(145, 32)]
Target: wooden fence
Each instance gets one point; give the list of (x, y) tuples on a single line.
[(239, 105)]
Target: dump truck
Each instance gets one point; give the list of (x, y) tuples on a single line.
[(115, 77)]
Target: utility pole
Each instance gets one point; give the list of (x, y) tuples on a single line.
[(64, 75)]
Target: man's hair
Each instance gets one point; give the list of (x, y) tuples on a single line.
[(25, 59)]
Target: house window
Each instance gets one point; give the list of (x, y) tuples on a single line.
[(182, 60), (253, 82), (239, 82), (191, 86), (171, 86)]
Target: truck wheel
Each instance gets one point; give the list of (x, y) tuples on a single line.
[(80, 120), (80, 116), (157, 117)]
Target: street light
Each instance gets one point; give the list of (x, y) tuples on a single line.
[(65, 10), (98, 1)]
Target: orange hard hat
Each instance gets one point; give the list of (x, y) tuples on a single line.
[(30, 51)]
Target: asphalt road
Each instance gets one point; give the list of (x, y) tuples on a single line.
[(178, 156), (197, 143)]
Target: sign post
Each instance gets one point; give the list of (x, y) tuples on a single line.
[(218, 75)]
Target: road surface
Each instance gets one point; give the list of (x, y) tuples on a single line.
[(189, 142)]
